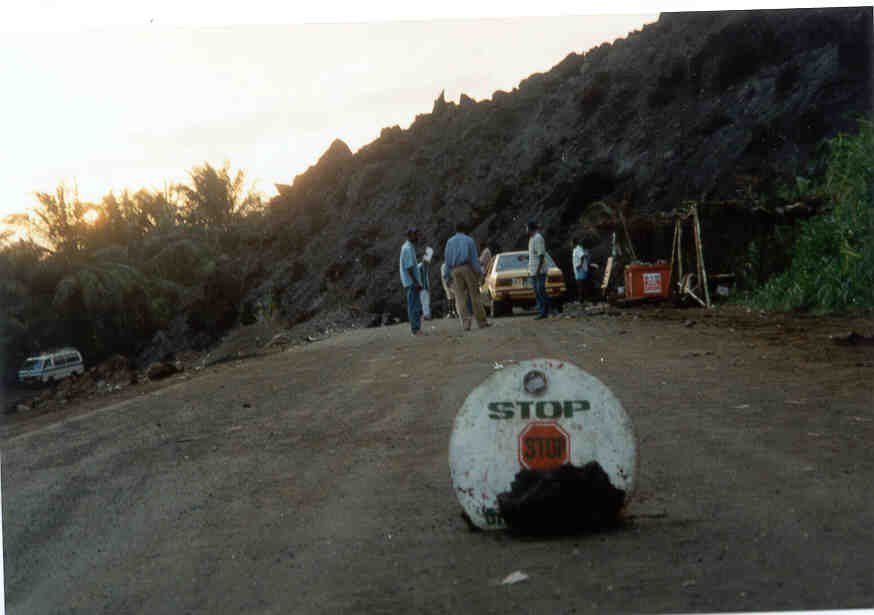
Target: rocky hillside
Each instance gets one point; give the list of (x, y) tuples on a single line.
[(718, 107), (727, 109)]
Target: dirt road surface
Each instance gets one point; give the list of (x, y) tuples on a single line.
[(315, 480)]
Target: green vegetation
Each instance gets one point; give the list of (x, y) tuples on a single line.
[(832, 258), (191, 260), (107, 276)]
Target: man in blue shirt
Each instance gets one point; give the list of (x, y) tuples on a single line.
[(462, 266), (411, 281)]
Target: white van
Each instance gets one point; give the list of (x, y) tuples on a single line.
[(51, 366)]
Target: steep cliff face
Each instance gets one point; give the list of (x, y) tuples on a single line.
[(710, 106)]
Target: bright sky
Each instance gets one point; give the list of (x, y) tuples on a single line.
[(114, 96)]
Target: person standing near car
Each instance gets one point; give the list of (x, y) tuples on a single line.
[(447, 289), (425, 278), (484, 257), (411, 282), (462, 266), (537, 268), (580, 258)]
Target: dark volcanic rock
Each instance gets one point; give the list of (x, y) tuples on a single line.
[(157, 371), (712, 106)]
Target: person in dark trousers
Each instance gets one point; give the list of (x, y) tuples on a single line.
[(537, 268), (411, 281)]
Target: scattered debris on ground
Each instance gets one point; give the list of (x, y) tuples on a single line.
[(279, 340), (577, 310), (563, 500), (110, 376), (514, 577), (261, 337), (778, 329), (853, 339), (160, 370), (268, 335)]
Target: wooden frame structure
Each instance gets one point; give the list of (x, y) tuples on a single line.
[(688, 284), (608, 273)]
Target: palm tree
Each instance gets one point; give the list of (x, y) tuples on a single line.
[(61, 221), (215, 199)]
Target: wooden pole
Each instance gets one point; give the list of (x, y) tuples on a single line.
[(627, 236), (697, 251), (673, 250), (696, 298), (608, 270), (702, 272), (680, 249)]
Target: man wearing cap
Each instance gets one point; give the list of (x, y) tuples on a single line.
[(462, 266), (411, 281), (537, 268)]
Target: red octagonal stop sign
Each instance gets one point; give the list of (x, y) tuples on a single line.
[(543, 445)]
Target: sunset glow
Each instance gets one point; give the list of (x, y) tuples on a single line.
[(91, 216), (268, 98)]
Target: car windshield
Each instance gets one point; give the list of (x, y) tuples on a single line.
[(32, 364), (507, 262)]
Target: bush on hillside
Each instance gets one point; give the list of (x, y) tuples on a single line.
[(832, 266), (184, 261), (110, 306)]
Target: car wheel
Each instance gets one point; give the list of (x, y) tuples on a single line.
[(499, 308)]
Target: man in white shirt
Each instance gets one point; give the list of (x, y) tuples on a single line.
[(425, 279), (580, 258), (537, 269), (447, 289)]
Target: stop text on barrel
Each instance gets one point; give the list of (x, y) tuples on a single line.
[(541, 409)]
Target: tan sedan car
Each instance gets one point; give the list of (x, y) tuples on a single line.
[(507, 282)]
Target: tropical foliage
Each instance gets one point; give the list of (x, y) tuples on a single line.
[(107, 276), (832, 259)]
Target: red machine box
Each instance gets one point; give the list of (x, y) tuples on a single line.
[(644, 280)]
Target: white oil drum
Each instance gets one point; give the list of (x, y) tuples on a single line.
[(536, 414)]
